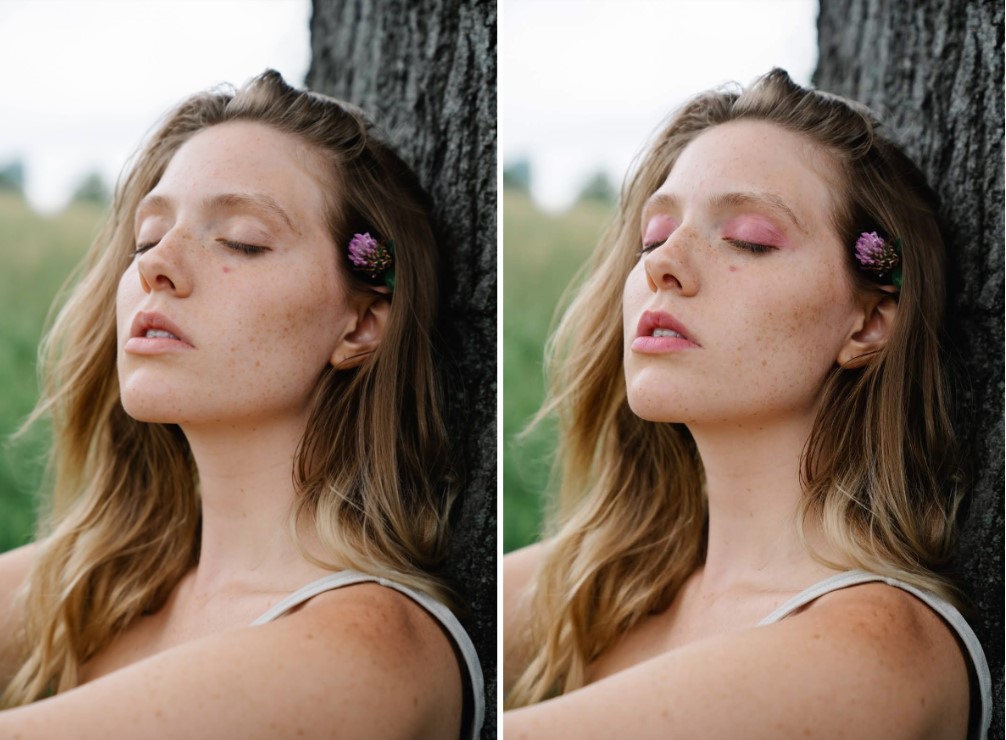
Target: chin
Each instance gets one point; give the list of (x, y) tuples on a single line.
[(657, 408), (153, 406)]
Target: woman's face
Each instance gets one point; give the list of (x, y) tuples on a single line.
[(234, 303), (740, 301)]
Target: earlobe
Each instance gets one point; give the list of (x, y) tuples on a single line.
[(365, 334), (872, 333)]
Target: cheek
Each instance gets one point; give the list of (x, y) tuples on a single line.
[(805, 329), (301, 323), (127, 299), (634, 296)]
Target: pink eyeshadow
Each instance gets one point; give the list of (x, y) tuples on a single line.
[(754, 229), (658, 229)]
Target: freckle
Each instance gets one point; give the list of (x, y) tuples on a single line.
[(733, 268), (226, 268)]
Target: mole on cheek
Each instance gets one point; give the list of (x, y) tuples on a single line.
[(733, 268), (226, 268)]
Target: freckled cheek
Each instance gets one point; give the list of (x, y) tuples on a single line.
[(634, 297), (302, 324), (809, 327), (127, 299)]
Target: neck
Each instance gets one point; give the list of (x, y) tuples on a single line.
[(754, 493), (246, 490)]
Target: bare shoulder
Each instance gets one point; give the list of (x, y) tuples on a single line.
[(877, 611), (869, 661), (395, 632), (361, 661), (14, 568), (518, 570), (389, 640), (894, 646)]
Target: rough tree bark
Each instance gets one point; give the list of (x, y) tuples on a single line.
[(934, 70), (426, 72)]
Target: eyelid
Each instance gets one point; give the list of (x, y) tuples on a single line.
[(752, 247), (250, 249), (654, 227)]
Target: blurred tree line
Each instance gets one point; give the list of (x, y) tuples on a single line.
[(91, 188), (596, 188)]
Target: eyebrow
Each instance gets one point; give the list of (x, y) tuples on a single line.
[(768, 201), (253, 201)]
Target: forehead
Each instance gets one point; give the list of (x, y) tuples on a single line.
[(248, 157), (760, 157)]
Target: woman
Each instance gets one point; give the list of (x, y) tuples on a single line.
[(757, 461), (244, 401)]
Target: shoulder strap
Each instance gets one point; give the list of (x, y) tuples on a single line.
[(440, 612), (946, 610)]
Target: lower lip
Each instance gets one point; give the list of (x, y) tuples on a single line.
[(660, 345), (155, 345)]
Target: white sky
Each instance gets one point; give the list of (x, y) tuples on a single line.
[(583, 83), (85, 80)]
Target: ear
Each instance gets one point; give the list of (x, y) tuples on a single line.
[(872, 330), (365, 331)]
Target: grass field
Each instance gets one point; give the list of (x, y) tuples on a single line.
[(541, 254), (37, 253)]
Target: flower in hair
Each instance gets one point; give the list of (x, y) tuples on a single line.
[(879, 256), (373, 258)]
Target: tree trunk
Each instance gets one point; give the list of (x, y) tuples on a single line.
[(933, 69), (425, 71)]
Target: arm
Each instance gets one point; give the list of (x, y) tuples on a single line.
[(858, 665), (359, 662), (14, 566), (518, 568)]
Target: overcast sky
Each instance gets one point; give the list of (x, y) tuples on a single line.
[(583, 83), (84, 80)]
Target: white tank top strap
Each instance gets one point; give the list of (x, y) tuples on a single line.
[(440, 612), (946, 610)]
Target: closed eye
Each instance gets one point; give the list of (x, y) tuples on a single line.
[(749, 246), (141, 248), (648, 248), (243, 248)]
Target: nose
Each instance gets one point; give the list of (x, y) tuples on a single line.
[(165, 266), (671, 266)]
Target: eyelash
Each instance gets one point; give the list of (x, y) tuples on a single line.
[(749, 246), (244, 248), (738, 243), (248, 249)]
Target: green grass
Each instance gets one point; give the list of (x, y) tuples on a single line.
[(37, 253), (541, 254)]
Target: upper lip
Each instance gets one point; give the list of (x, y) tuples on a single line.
[(651, 320), (146, 320)]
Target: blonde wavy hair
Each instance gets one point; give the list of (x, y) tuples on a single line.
[(372, 471), (879, 470)]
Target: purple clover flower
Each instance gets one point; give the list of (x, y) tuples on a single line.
[(875, 254), (368, 255)]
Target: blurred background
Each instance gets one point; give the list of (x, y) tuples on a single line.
[(583, 84), (84, 81)]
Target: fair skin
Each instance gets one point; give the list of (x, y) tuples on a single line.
[(255, 330), (747, 336)]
